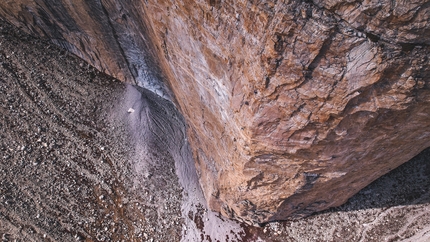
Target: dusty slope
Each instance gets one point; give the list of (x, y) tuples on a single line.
[(75, 165), (69, 167)]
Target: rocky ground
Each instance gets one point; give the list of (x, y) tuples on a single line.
[(69, 168), (86, 158)]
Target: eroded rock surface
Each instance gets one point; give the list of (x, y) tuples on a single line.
[(306, 104), (292, 106)]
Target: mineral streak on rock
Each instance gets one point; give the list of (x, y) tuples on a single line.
[(292, 106)]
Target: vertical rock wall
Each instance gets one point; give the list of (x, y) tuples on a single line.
[(296, 105), (292, 106)]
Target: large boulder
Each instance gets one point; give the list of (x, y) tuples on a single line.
[(292, 106)]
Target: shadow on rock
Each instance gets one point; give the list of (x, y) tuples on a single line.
[(408, 184)]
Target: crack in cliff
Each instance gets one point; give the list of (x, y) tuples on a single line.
[(321, 53), (115, 35), (370, 36)]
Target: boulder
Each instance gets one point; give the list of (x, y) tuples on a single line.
[(292, 106)]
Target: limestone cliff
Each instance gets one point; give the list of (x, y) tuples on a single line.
[(292, 106)]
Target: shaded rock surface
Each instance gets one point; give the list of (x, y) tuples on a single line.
[(100, 32), (86, 158), (292, 106)]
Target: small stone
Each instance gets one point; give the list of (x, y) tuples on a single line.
[(130, 110)]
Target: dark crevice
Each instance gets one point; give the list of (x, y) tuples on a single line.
[(322, 52), (267, 82), (310, 179), (407, 47), (115, 36), (51, 29), (60, 15), (280, 43), (372, 37)]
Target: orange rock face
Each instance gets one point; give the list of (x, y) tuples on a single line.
[(292, 106)]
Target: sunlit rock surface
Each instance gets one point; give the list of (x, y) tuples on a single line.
[(292, 106)]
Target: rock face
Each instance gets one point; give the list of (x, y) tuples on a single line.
[(292, 106)]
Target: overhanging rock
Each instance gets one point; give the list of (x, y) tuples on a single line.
[(292, 106)]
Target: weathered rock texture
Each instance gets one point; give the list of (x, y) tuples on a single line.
[(292, 106)]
